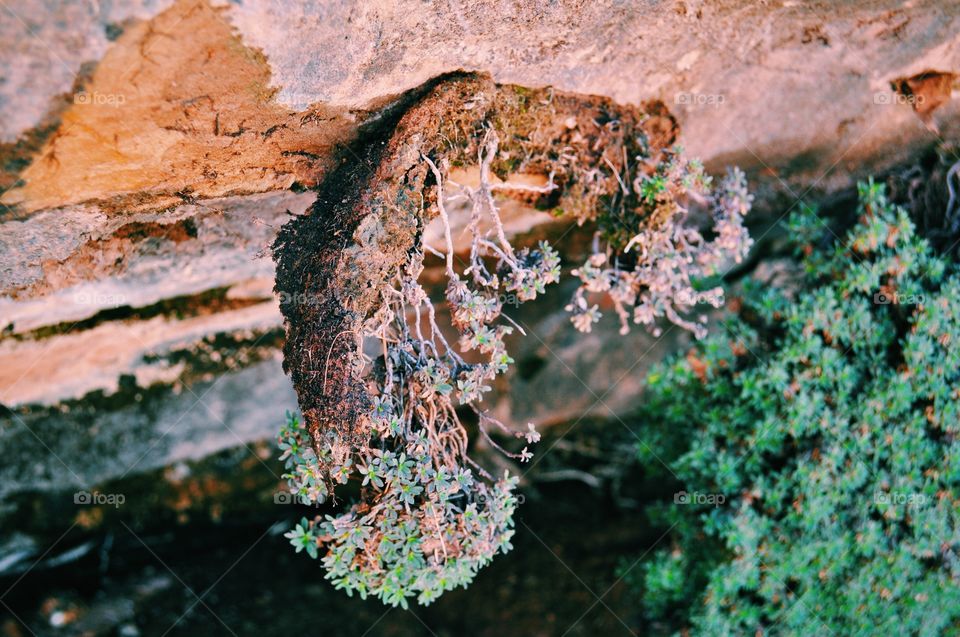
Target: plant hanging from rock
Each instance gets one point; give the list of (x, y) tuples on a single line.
[(380, 387)]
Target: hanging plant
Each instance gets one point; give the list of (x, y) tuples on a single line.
[(380, 387)]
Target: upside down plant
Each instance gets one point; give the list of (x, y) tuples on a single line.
[(814, 446), (431, 524), (383, 393)]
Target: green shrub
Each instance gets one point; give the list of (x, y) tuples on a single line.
[(814, 446)]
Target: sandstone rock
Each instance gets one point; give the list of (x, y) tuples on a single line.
[(151, 150)]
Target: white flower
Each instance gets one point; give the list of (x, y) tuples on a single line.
[(532, 434)]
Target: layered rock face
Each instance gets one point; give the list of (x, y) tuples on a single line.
[(151, 152)]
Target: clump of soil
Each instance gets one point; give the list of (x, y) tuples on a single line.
[(371, 212)]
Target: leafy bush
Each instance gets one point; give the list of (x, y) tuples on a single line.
[(814, 445)]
